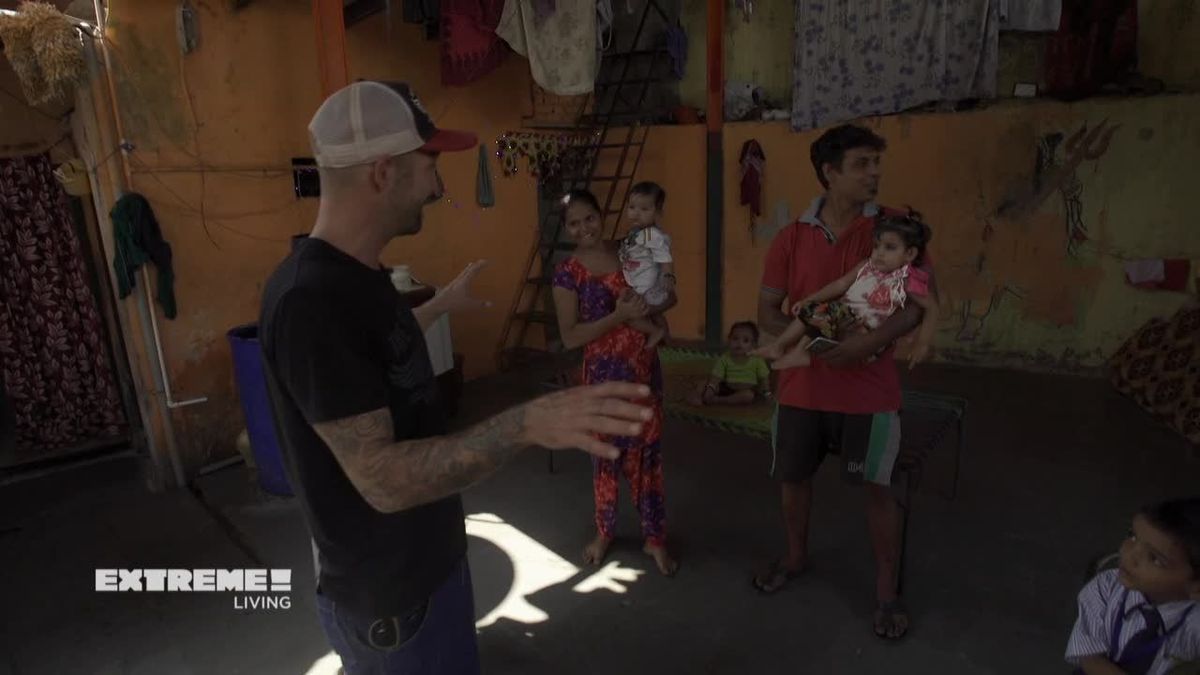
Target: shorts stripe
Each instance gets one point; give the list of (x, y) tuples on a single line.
[(883, 448), (774, 438)]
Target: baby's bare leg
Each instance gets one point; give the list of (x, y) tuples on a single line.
[(775, 350), (796, 357)]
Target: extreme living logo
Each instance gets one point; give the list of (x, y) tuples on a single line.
[(256, 588)]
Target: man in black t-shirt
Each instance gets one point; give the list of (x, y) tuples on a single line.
[(356, 405)]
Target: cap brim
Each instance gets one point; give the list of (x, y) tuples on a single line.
[(447, 140)]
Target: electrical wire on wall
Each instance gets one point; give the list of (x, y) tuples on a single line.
[(200, 167), (183, 205)]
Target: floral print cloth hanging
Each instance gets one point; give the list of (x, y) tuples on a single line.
[(856, 58), (548, 155)]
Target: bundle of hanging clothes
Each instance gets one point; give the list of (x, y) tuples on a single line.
[(43, 46)]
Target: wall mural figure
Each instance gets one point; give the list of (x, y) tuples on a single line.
[(1055, 169), (973, 316)]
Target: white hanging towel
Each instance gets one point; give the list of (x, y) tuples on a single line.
[(561, 48)]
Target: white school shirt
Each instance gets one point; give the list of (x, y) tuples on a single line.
[(1099, 606)]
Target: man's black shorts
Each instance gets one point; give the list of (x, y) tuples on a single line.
[(867, 444)]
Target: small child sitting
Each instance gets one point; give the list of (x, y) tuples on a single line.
[(1140, 618), (737, 377), (865, 297), (646, 260)]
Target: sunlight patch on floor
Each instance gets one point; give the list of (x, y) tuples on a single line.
[(329, 664), (536, 567), (611, 577)]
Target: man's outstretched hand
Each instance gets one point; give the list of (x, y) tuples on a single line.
[(575, 417), (456, 296)]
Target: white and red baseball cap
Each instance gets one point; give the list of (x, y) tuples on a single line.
[(370, 120)]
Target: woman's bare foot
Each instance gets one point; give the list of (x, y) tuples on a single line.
[(769, 352), (666, 564), (594, 553), (797, 358)]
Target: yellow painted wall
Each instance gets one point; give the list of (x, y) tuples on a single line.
[(1047, 308), (757, 51), (1169, 44)]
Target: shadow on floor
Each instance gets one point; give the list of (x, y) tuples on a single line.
[(1053, 468)]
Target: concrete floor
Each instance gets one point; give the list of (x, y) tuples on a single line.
[(1053, 468)]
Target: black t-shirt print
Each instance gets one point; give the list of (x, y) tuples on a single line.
[(339, 341)]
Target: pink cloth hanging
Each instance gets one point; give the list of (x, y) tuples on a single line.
[(470, 46)]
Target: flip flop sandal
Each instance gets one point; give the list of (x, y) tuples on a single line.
[(776, 576), (887, 613)]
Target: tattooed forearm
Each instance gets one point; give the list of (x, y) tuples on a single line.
[(393, 476)]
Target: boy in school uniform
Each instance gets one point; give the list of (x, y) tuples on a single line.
[(1141, 618)]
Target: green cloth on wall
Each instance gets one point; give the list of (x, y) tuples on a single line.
[(138, 240), (484, 195)]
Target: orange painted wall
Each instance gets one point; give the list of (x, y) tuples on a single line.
[(1017, 297), (253, 87), (675, 159), (242, 102)]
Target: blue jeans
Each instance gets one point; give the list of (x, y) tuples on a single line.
[(437, 638)]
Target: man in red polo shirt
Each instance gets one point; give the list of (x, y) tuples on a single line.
[(844, 402)]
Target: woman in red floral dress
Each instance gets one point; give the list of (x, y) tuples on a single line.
[(593, 303)]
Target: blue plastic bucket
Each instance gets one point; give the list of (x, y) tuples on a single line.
[(256, 406)]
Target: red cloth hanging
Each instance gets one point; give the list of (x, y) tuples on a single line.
[(470, 46), (58, 378), (1095, 44), (753, 162)]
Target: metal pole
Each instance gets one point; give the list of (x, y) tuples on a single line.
[(715, 117), (330, 21)]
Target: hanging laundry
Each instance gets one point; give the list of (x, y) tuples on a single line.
[(1040, 16), (747, 7), (677, 49), (604, 24), (753, 162), (484, 196), (425, 12), (138, 240), (561, 49), (543, 9), (470, 46), (1096, 44), (855, 58), (1161, 274)]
